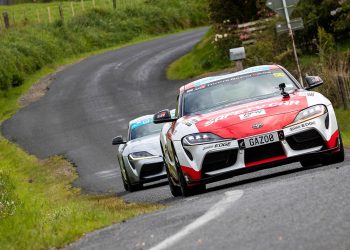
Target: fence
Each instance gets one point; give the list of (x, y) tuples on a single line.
[(39, 13)]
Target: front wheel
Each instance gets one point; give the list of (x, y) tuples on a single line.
[(187, 190), (175, 190), (128, 186), (335, 157)]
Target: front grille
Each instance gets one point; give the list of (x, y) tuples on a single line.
[(219, 160), (305, 140), (151, 169), (263, 152)]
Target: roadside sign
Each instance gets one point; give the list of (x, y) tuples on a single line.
[(277, 6), (296, 24), (237, 54)]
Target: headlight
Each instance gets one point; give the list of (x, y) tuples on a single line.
[(140, 155), (310, 113), (200, 138)]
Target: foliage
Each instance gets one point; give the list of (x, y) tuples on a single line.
[(26, 50), (326, 45), (332, 15), (237, 11)]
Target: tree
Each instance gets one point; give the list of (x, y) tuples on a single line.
[(238, 11)]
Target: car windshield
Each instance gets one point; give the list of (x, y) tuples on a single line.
[(143, 129), (237, 89)]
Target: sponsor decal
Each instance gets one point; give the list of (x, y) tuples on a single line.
[(190, 122), (208, 147), (257, 125), (246, 110), (302, 125), (252, 114), (222, 144), (306, 94), (279, 74), (141, 123)]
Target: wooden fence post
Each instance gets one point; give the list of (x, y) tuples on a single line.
[(72, 8), (6, 20), (38, 16), (82, 5), (114, 4), (60, 9), (49, 14), (344, 95)]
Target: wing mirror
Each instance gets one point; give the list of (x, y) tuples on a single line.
[(118, 140), (313, 82), (163, 116)]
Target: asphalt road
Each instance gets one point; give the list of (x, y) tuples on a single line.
[(91, 102)]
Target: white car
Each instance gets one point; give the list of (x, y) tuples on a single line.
[(140, 157), (241, 122)]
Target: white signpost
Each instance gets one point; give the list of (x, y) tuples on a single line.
[(284, 8), (237, 55)]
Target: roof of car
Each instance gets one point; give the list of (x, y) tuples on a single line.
[(210, 79)]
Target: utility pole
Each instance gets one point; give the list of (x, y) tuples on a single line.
[(293, 41)]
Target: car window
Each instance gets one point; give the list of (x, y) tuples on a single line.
[(138, 130), (230, 90)]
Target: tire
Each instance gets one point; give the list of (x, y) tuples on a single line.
[(335, 157), (175, 190), (127, 184), (185, 189)]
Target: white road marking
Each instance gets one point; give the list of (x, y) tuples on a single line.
[(107, 174), (215, 211)]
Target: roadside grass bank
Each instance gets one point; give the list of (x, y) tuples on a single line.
[(343, 117), (39, 209)]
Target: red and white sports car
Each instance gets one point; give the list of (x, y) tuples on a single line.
[(256, 118)]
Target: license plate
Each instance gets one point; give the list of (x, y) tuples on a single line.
[(259, 140)]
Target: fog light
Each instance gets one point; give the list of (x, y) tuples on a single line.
[(187, 179)]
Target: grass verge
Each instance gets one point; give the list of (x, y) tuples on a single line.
[(343, 117), (39, 209)]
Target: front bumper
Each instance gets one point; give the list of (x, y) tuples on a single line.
[(146, 170), (208, 162)]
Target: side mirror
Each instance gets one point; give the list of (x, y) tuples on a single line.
[(163, 117), (118, 140), (313, 82)]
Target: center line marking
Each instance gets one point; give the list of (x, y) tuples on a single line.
[(215, 211)]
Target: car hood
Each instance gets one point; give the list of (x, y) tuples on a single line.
[(238, 121), (148, 143)]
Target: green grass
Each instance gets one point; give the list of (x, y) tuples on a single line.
[(43, 210), (343, 117)]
